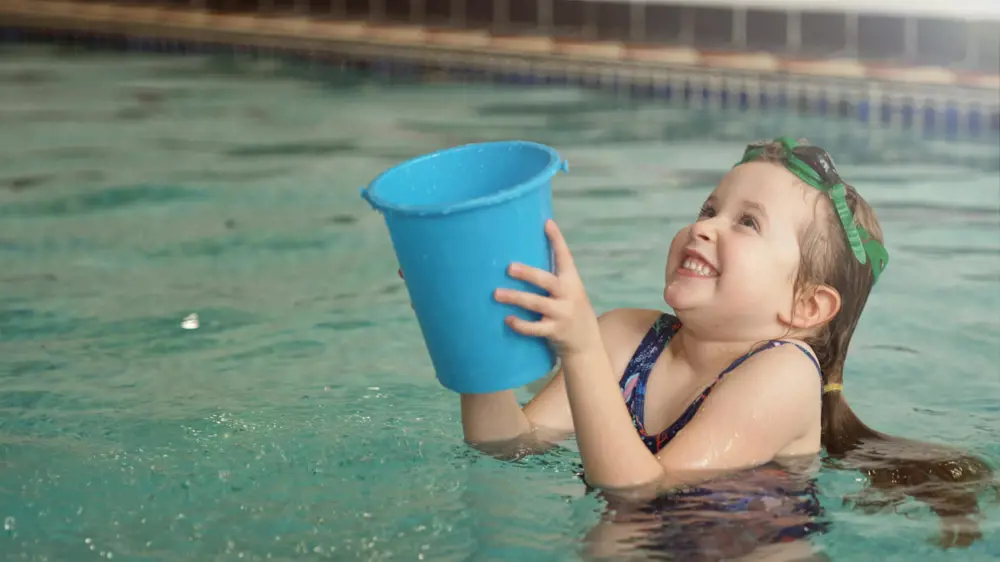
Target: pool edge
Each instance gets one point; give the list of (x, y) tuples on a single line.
[(928, 101)]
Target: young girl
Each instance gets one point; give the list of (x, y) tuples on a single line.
[(766, 287)]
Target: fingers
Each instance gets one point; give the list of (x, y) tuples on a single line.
[(537, 277), (563, 262), (563, 257), (526, 300), (542, 328)]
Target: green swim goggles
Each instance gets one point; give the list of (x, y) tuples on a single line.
[(814, 166)]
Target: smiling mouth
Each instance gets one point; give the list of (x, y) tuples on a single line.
[(698, 267)]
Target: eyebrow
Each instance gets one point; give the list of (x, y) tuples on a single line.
[(757, 207), (743, 204)]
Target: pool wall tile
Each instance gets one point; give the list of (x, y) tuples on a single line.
[(607, 45)]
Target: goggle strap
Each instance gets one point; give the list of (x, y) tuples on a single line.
[(862, 244), (838, 194), (875, 250), (750, 154), (788, 142)]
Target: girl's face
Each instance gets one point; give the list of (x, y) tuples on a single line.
[(733, 271)]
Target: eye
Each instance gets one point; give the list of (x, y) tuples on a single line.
[(707, 211), (750, 222)]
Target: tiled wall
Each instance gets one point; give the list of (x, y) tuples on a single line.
[(928, 76), (954, 43)]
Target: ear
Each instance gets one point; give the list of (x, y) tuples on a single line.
[(812, 307)]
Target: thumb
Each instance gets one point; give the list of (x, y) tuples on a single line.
[(560, 250)]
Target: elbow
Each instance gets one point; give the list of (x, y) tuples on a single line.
[(636, 486), (654, 482), (511, 449)]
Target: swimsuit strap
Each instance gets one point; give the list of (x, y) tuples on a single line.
[(692, 409), (770, 345), (633, 381)]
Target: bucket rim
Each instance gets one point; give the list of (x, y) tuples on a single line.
[(555, 164)]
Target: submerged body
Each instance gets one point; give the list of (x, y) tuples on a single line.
[(764, 513), (761, 510)]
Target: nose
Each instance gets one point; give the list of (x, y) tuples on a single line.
[(704, 230)]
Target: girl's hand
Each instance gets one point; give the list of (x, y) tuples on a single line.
[(568, 320)]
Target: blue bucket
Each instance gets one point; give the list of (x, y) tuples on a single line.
[(457, 218)]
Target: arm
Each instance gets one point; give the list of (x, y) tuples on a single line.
[(496, 423), (751, 415), (581, 339), (496, 419)]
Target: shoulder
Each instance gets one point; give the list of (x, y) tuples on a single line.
[(627, 323), (788, 366), (622, 330), (770, 401), (784, 378), (631, 318)]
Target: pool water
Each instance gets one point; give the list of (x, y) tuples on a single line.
[(206, 354)]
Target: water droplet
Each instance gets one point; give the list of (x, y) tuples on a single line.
[(190, 322), (8, 523)]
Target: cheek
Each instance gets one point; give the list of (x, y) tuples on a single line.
[(786, 269), (676, 246), (772, 268)]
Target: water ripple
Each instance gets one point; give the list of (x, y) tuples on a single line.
[(108, 199)]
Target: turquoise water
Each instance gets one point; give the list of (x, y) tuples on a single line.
[(300, 419)]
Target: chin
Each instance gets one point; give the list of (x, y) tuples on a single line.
[(672, 299)]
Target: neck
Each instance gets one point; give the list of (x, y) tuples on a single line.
[(706, 354)]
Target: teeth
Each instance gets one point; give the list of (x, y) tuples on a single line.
[(698, 267)]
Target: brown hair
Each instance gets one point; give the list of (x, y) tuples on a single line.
[(945, 479)]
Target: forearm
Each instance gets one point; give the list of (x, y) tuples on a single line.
[(613, 455), (494, 417)]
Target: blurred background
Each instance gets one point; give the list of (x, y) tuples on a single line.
[(205, 350)]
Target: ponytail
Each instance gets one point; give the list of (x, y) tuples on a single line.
[(843, 431), (946, 480)]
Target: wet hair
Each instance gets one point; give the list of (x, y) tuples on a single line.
[(945, 479)]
